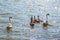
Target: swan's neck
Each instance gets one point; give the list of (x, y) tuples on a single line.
[(38, 17), (34, 18), (31, 19), (46, 18), (10, 21)]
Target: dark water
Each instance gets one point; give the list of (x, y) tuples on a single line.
[(21, 11)]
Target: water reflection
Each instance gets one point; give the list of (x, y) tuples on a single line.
[(9, 34)]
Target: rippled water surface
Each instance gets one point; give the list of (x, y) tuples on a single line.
[(21, 11)]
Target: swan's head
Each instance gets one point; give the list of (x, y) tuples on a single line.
[(48, 14), (38, 16), (10, 17)]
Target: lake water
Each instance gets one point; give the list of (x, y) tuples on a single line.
[(21, 11)]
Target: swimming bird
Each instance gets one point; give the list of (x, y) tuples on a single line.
[(45, 24), (32, 22), (9, 27), (35, 19), (38, 20)]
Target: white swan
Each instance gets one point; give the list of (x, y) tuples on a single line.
[(9, 27), (46, 22)]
